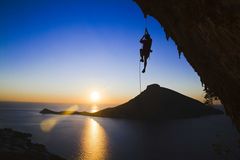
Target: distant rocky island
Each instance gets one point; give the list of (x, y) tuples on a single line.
[(18, 146), (154, 103), (48, 111)]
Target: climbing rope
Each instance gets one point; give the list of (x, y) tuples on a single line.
[(146, 22), (140, 78), (139, 70)]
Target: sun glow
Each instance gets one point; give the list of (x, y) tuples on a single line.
[(95, 96), (94, 108)]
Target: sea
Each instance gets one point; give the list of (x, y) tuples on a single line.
[(76, 137)]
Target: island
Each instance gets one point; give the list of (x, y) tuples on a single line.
[(154, 103)]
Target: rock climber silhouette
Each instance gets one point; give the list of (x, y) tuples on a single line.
[(145, 51)]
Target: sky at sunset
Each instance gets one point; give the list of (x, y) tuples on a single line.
[(64, 50)]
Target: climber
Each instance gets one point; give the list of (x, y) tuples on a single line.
[(146, 40)]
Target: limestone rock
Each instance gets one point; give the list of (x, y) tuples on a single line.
[(207, 32)]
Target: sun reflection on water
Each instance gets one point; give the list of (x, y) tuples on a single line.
[(94, 108), (93, 141)]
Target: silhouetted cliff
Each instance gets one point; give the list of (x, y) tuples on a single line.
[(207, 32)]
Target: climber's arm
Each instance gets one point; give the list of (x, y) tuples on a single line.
[(142, 39)]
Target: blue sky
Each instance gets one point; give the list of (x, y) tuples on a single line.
[(62, 50)]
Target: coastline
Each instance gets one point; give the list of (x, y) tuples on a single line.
[(16, 145)]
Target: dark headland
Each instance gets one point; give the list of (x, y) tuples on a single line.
[(153, 103), (18, 146)]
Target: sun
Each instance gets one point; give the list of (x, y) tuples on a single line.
[(95, 96)]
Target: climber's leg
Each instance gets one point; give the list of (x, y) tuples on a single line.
[(141, 55), (145, 64)]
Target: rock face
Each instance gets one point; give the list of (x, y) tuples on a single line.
[(159, 103), (207, 32), (18, 146)]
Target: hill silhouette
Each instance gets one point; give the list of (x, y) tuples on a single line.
[(159, 103), (153, 103)]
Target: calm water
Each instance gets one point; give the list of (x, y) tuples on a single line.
[(87, 138)]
